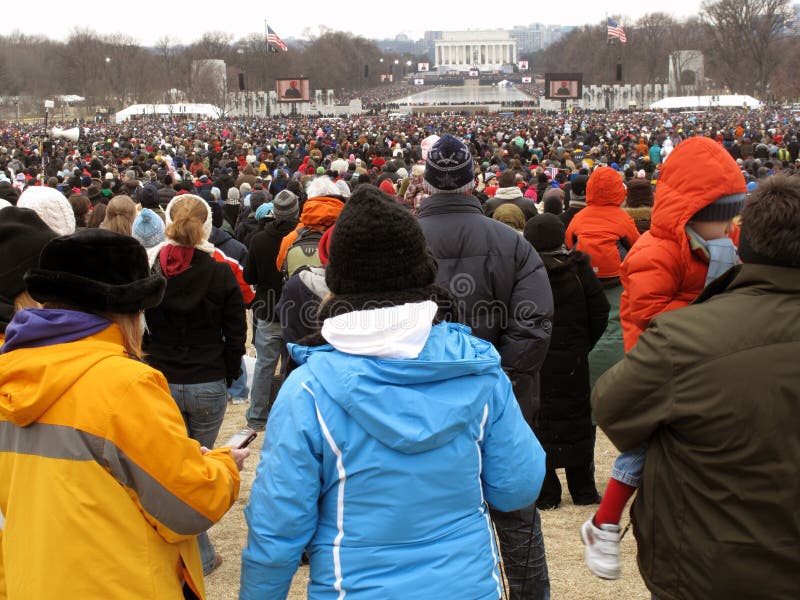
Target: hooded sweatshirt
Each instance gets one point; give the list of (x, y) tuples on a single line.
[(662, 273), (381, 465), (603, 230), (105, 470)]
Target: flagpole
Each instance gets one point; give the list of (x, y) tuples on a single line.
[(266, 58)]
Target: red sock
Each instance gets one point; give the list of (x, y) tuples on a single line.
[(613, 503)]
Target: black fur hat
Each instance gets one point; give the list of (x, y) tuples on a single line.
[(98, 270)]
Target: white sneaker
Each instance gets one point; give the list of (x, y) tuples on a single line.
[(602, 549), (239, 400)]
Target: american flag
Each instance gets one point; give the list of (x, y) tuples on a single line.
[(274, 42), (615, 31)]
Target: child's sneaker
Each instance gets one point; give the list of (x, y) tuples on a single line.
[(602, 549)]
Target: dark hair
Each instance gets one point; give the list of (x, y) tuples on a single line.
[(771, 220), (97, 216), (507, 179)]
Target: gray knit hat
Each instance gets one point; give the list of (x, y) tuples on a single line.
[(722, 209), (286, 205)]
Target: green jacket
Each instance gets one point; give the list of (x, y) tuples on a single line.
[(715, 389)]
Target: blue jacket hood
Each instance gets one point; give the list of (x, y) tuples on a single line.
[(40, 327), (410, 405)]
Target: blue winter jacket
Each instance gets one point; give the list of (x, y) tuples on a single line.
[(382, 468)]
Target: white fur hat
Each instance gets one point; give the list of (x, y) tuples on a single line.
[(51, 205)]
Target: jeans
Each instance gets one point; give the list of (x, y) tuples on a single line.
[(268, 341), (629, 466), (202, 406), (522, 549), (239, 387), (609, 349)]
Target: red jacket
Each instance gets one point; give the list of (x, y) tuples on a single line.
[(662, 273), (603, 230)]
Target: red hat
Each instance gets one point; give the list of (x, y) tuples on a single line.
[(386, 186), (324, 246)]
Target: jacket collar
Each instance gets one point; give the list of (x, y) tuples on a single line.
[(770, 279), (440, 204)]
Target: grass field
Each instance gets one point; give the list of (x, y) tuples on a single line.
[(569, 577)]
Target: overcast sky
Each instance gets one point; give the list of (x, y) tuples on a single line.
[(184, 22)]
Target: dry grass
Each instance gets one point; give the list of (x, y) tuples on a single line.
[(569, 577)]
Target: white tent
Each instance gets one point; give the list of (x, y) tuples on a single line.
[(203, 110), (690, 102)]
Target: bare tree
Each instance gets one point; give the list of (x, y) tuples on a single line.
[(745, 36)]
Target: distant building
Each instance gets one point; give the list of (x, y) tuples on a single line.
[(528, 38), (485, 50)]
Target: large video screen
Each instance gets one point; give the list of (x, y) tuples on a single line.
[(563, 86), (292, 90)]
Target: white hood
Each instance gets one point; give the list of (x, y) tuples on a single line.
[(398, 332)]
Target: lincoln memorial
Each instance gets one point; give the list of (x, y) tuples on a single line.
[(464, 50)]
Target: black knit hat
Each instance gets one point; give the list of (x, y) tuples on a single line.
[(578, 185), (545, 232), (149, 197), (98, 270), (23, 234), (377, 246), (722, 209), (449, 167)]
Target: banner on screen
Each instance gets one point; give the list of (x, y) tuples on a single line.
[(292, 90), (563, 86), (423, 67)]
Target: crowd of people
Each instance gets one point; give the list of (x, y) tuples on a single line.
[(443, 309)]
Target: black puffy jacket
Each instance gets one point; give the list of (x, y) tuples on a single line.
[(500, 284)]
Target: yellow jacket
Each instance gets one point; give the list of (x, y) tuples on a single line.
[(101, 489)]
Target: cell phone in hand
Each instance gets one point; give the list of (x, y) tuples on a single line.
[(241, 439)]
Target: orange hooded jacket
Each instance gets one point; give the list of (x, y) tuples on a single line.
[(602, 229), (318, 213), (662, 273)]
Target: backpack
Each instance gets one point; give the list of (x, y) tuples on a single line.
[(304, 252)]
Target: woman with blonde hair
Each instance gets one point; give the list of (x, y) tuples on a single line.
[(100, 487), (196, 335), (120, 214)]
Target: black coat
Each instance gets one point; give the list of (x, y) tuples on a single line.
[(564, 425), (197, 333), (500, 284), (246, 228), (261, 270)]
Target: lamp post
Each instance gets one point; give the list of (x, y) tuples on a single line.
[(108, 80)]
